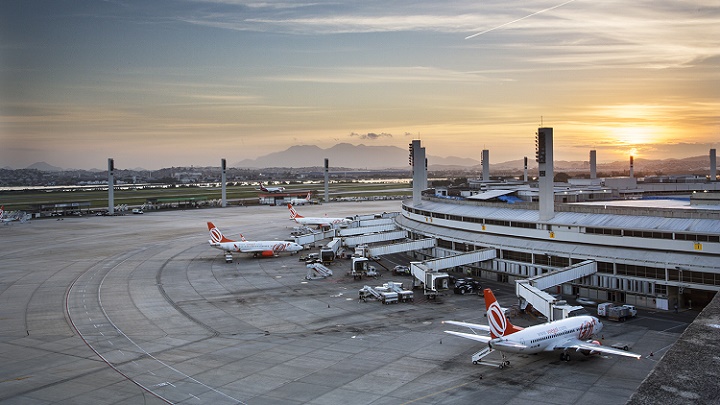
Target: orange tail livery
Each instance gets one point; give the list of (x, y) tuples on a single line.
[(215, 235), (499, 324), (293, 214)]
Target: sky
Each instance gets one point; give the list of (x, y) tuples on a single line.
[(165, 83)]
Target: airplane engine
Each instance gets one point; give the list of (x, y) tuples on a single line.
[(267, 253), (587, 352)]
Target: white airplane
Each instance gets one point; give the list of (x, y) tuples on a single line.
[(301, 201), (6, 220), (271, 189), (322, 221), (264, 248), (562, 335)]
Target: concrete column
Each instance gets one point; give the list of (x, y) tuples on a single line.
[(486, 165), (327, 180), (224, 182), (713, 165), (419, 167), (544, 155), (111, 186)]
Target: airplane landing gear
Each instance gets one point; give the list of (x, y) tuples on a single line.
[(505, 362), (564, 356)]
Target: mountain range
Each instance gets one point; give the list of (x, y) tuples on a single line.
[(391, 157), (348, 156)]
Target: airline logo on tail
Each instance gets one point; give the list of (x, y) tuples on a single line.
[(293, 214), (497, 320), (215, 235), (499, 324)]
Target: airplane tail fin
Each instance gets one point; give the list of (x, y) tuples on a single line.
[(2, 211), (500, 325), (293, 214), (308, 196), (215, 235)]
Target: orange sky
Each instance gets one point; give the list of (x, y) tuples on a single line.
[(171, 83)]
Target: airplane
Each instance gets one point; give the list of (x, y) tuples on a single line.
[(6, 220), (263, 248), (322, 221), (271, 189), (562, 335), (301, 201)]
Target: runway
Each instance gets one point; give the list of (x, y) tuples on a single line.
[(139, 309)]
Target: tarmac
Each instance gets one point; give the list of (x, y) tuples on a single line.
[(139, 309)]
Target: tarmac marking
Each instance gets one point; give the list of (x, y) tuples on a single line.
[(438, 392), (676, 326), (16, 379), (660, 350)]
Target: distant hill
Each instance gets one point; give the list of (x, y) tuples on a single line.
[(45, 167), (346, 155), (391, 157)]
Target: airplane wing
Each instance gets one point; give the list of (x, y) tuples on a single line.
[(472, 336), (499, 344), (473, 326), (578, 344)]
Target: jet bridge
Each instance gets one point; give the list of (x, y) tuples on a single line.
[(428, 275), (531, 289), (401, 247), (312, 238), (367, 229), (353, 241), (363, 223)]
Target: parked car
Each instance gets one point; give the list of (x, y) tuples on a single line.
[(467, 286), (401, 270)]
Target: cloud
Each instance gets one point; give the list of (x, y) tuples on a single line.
[(371, 135), (646, 34), (383, 74)]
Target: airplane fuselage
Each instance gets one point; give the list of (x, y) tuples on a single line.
[(547, 336), (323, 221), (257, 246), (569, 334)]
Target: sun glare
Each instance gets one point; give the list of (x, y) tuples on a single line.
[(634, 135)]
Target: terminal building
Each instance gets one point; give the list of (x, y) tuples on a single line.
[(648, 253)]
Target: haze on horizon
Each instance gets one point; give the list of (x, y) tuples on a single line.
[(178, 83)]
